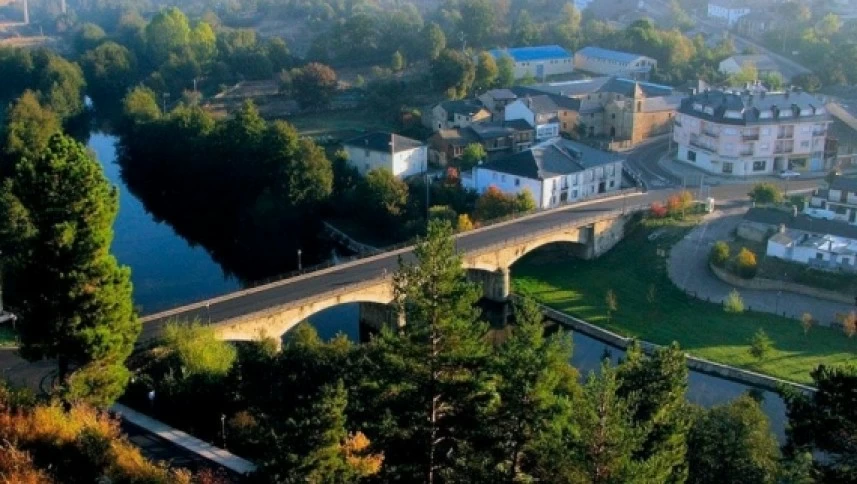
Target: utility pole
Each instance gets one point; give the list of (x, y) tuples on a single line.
[(27, 12), (428, 204)]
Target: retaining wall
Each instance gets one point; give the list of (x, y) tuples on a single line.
[(763, 284), (694, 363)]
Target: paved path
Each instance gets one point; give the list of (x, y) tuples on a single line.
[(688, 269), (185, 441)]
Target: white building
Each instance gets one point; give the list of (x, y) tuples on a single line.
[(544, 112), (739, 134), (837, 202), (728, 11), (539, 62), (555, 172), (822, 251), (402, 156), (764, 64), (614, 63)]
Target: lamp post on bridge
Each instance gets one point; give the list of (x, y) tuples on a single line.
[(300, 265)]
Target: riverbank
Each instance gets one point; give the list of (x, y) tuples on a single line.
[(652, 309)]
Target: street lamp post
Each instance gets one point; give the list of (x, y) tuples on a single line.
[(165, 96), (223, 428), (300, 265)]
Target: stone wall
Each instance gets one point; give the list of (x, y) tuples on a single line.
[(755, 232), (763, 284), (697, 364)]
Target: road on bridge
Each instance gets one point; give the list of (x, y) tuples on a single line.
[(308, 285)]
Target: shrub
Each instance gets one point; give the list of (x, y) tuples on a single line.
[(765, 193), (747, 265), (464, 223), (719, 254), (443, 212), (761, 344), (733, 302), (658, 210)]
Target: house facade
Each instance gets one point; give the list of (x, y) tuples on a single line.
[(733, 133), (818, 243), (837, 202), (456, 114), (764, 64), (498, 139), (538, 61), (403, 156), (616, 108), (728, 11), (614, 63), (555, 172), (540, 112)]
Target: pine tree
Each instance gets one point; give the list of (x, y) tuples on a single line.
[(431, 375), (656, 387), (608, 435), (72, 297), (534, 382)]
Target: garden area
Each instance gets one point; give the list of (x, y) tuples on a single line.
[(643, 303)]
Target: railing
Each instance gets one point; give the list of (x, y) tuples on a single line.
[(408, 243), (574, 224), (746, 152), (750, 137), (384, 274), (710, 132), (701, 145)]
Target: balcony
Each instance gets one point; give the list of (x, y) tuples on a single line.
[(783, 149), (750, 137), (786, 135), (710, 132), (746, 152), (698, 144), (819, 132)]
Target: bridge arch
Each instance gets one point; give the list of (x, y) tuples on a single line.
[(274, 322)]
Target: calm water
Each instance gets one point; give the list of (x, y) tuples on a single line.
[(167, 271)]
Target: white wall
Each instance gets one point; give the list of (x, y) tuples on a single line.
[(551, 67), (730, 15), (484, 178), (407, 163), (547, 131), (607, 67), (412, 162)]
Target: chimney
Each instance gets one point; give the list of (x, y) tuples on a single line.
[(783, 227), (794, 212)]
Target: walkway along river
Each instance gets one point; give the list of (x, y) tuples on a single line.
[(167, 271)]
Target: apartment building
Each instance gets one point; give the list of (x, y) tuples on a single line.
[(736, 133)]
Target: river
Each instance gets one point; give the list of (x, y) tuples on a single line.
[(167, 271)]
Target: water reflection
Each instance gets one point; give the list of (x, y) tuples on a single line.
[(165, 269)]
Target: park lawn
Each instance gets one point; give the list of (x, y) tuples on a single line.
[(703, 329), (339, 125)]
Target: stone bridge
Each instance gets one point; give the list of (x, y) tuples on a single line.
[(488, 255)]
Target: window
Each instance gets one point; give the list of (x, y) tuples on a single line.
[(367, 166), (766, 131), (691, 155), (564, 125), (759, 165), (612, 183), (804, 144), (494, 175), (517, 182), (366, 152), (613, 116), (502, 178), (727, 167), (819, 256)]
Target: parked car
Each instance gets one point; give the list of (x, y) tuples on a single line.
[(788, 174)]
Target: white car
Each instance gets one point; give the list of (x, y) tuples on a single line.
[(788, 174)]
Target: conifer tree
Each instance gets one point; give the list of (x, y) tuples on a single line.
[(72, 298), (431, 375), (534, 386)]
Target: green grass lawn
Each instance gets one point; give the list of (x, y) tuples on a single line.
[(633, 269), (338, 124)]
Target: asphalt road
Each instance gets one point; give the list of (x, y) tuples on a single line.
[(312, 284)]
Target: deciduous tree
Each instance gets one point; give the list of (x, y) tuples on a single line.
[(314, 85)]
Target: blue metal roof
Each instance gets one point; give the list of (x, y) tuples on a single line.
[(527, 54), (614, 55)]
